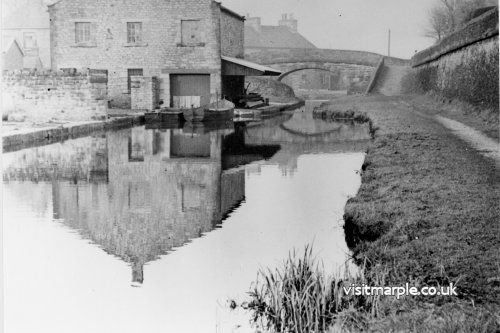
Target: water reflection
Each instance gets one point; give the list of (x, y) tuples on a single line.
[(228, 199), (140, 193)]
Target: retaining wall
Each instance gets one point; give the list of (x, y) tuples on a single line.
[(46, 95), (463, 65)]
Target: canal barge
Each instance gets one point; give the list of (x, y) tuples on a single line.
[(216, 111)]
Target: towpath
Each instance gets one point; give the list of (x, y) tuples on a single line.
[(428, 206)]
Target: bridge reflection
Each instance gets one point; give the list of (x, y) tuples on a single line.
[(140, 193)]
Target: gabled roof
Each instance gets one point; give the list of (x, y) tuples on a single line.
[(276, 36), (32, 62), (232, 13), (7, 43)]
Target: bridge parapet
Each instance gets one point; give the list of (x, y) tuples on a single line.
[(285, 55), (343, 69)]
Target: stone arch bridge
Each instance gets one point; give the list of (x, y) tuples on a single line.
[(343, 69)]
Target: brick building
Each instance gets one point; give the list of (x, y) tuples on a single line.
[(191, 46)]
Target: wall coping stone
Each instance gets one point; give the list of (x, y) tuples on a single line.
[(482, 27)]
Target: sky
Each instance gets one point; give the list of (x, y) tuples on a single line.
[(339, 24), (350, 24)]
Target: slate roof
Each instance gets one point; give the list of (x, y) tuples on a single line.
[(275, 36), (7, 43)]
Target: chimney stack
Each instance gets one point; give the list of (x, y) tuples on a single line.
[(253, 22), (289, 21)]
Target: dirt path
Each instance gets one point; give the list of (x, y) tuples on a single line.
[(485, 145)]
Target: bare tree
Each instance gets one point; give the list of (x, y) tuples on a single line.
[(448, 15)]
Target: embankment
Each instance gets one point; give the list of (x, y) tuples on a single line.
[(464, 65), (427, 214)]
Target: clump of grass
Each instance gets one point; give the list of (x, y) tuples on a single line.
[(296, 297), (299, 297), (326, 112)]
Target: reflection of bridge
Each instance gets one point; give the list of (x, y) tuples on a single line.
[(347, 68), (299, 133), (302, 128)]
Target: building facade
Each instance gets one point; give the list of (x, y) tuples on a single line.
[(179, 42)]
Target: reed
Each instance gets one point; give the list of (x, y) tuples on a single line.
[(300, 297)]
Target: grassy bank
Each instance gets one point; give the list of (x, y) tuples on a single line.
[(427, 213)]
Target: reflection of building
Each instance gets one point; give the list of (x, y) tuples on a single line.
[(140, 193), (83, 159), (164, 189)]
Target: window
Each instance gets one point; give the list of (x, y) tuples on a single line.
[(134, 32), (191, 33), (132, 72), (82, 32), (29, 40)]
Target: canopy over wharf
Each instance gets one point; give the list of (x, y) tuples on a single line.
[(234, 71)]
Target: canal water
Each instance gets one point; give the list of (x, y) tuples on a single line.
[(155, 229)]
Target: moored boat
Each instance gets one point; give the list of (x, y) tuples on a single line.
[(173, 115), (194, 114), (219, 110)]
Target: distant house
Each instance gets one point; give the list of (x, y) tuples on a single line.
[(12, 54), (29, 25), (284, 35), (192, 46)]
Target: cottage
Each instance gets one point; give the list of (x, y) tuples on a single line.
[(12, 54), (191, 46), (29, 25)]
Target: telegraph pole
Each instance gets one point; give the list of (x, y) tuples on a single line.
[(389, 44)]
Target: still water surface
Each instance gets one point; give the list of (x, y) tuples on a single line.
[(153, 230)]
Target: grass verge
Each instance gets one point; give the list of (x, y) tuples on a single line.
[(427, 213)]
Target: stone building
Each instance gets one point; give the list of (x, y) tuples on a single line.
[(191, 46), (285, 35), (29, 26), (12, 54)]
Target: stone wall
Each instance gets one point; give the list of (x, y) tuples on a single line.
[(463, 65), (81, 159), (144, 92), (160, 53), (333, 69), (46, 95), (338, 76), (232, 35), (270, 88), (267, 56)]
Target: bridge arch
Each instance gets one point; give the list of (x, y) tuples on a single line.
[(352, 70), (285, 74)]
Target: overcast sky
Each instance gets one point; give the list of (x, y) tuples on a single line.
[(339, 24), (349, 24)]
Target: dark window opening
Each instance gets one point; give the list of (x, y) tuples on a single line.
[(132, 72)]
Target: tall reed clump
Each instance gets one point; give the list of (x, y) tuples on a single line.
[(298, 297)]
